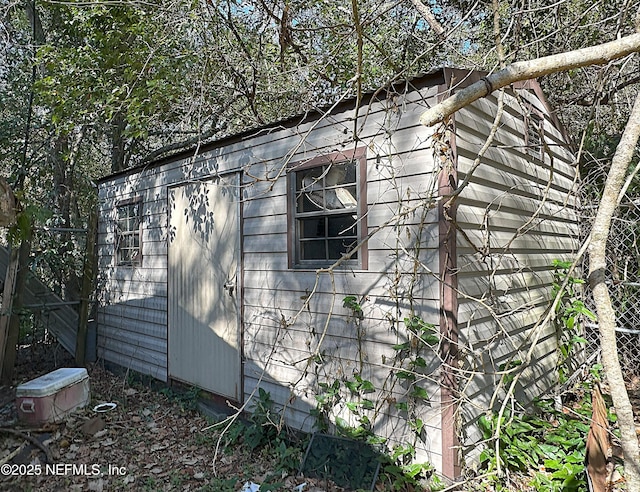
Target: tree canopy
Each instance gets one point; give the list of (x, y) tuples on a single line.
[(91, 88)]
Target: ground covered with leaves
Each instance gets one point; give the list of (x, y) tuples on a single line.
[(156, 439), (152, 440)]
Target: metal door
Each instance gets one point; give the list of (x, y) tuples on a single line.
[(204, 251)]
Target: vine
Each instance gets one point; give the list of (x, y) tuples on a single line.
[(345, 406), (570, 311)]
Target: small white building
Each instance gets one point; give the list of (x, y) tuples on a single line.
[(310, 258)]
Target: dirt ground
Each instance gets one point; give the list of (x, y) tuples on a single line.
[(151, 441)]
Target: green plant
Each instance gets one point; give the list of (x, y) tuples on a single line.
[(570, 311), (264, 432), (399, 471), (551, 442), (326, 401), (351, 303), (188, 400), (262, 428)]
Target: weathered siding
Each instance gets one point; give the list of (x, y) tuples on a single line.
[(296, 333), (281, 335), (515, 217)]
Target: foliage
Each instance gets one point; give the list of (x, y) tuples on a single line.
[(548, 446), (348, 407), (570, 311), (263, 432), (188, 400)]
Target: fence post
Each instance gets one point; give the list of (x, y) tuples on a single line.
[(10, 321), (88, 273)]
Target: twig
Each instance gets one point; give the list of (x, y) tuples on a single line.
[(12, 455), (33, 441)]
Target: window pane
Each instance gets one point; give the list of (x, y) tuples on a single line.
[(326, 210), (342, 225), (128, 234), (310, 202), (313, 250), (338, 247), (341, 174), (312, 227)]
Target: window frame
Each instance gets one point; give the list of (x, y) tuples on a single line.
[(120, 245), (534, 134), (293, 216)]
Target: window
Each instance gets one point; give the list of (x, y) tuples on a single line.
[(129, 232), (326, 209), (534, 135)]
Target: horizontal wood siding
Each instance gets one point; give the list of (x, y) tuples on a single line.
[(294, 344), (297, 335), (290, 346), (515, 217)]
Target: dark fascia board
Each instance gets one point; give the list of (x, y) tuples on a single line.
[(447, 78), (435, 77)]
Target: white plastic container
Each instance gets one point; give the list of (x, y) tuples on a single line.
[(53, 396)]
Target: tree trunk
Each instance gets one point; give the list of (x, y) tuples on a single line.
[(606, 315)]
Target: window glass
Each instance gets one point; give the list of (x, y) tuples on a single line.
[(326, 212), (128, 233)]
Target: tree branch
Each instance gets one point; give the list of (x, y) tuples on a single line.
[(531, 69), (428, 16), (602, 300)]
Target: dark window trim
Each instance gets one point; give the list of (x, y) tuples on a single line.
[(137, 261), (360, 155)]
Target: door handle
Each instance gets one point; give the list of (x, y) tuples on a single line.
[(229, 286)]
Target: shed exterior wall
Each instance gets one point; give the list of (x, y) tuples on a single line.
[(296, 333), (516, 216), (290, 346)]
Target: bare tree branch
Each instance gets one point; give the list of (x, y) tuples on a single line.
[(531, 69), (428, 16)]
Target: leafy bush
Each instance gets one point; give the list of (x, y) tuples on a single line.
[(550, 446)]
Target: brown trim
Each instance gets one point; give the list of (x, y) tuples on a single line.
[(448, 263), (359, 154), (241, 303), (129, 201)]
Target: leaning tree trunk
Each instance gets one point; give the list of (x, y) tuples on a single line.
[(606, 315)]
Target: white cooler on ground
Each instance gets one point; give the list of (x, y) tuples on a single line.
[(53, 396)]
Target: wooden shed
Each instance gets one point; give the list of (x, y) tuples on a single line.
[(371, 274)]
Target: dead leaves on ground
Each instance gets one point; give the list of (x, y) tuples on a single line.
[(148, 442)]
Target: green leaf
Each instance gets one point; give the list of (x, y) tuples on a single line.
[(367, 387), (403, 406), (367, 404), (353, 406), (352, 385), (419, 362), (419, 392), (417, 425), (405, 375), (401, 346)]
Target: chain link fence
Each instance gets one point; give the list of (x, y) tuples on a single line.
[(623, 272)]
